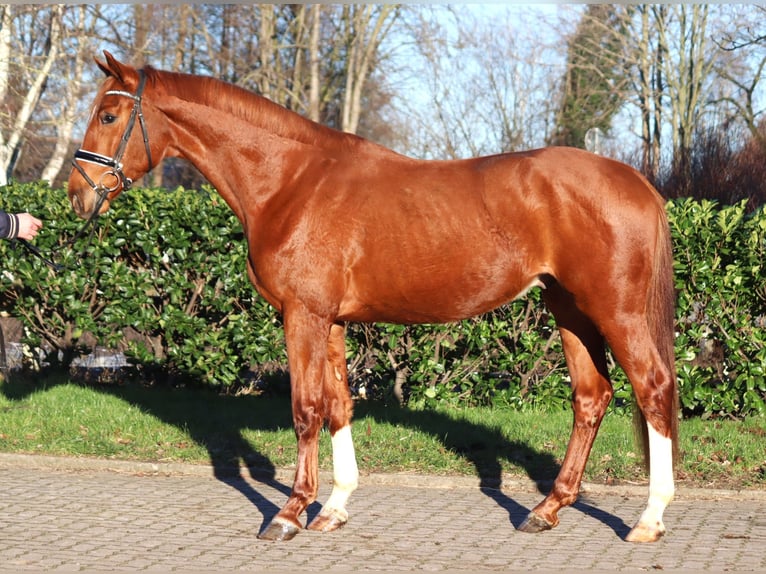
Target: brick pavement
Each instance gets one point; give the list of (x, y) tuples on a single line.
[(60, 514)]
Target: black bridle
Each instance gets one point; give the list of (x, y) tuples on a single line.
[(114, 163), (115, 170)]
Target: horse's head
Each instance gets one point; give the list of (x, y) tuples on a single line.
[(115, 149)]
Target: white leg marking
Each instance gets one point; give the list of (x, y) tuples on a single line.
[(345, 471), (661, 487)]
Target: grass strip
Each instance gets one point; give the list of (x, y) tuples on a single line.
[(53, 415)]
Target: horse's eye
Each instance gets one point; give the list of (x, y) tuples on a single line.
[(108, 118)]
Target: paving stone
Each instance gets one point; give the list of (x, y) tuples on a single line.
[(92, 517)]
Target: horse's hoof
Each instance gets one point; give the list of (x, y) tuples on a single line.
[(328, 521), (279, 531), (534, 523), (644, 533)]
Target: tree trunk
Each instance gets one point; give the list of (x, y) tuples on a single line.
[(5, 59), (65, 123), (12, 146), (314, 56), (365, 31), (266, 50)]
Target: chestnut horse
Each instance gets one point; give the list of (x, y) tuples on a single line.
[(340, 229)]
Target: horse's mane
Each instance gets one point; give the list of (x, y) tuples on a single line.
[(246, 105)]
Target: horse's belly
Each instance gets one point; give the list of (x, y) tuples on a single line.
[(433, 302)]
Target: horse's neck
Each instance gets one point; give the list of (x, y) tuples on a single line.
[(238, 158), (252, 109), (247, 146)]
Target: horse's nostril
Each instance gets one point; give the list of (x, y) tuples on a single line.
[(76, 205)]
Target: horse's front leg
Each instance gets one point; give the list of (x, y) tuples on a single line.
[(339, 412), (306, 337)]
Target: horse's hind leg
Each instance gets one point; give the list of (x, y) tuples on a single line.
[(591, 393), (655, 392), (339, 411)]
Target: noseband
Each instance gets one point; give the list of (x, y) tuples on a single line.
[(114, 163)]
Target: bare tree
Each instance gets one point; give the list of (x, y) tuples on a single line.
[(64, 117), (746, 42), (688, 68), (364, 27), (458, 85), (476, 86), (594, 81), (648, 89), (281, 74), (31, 74), (668, 54), (316, 59)]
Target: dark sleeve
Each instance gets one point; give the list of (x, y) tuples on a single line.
[(9, 225)]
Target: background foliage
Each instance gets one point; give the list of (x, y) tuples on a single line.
[(163, 280)]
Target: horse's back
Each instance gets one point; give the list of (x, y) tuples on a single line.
[(559, 183)]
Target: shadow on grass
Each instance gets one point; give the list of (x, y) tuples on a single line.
[(218, 422)]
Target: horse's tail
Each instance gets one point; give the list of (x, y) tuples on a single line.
[(661, 318)]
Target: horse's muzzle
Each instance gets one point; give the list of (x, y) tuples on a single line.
[(78, 205), (84, 201)]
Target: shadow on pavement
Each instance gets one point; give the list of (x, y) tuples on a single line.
[(615, 523)]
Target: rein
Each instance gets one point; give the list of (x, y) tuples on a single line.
[(114, 164), (34, 250)]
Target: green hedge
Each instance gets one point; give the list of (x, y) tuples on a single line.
[(720, 266), (164, 281)]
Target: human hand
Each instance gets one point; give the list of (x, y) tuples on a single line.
[(29, 226)]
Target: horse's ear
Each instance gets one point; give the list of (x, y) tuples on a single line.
[(124, 73)]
